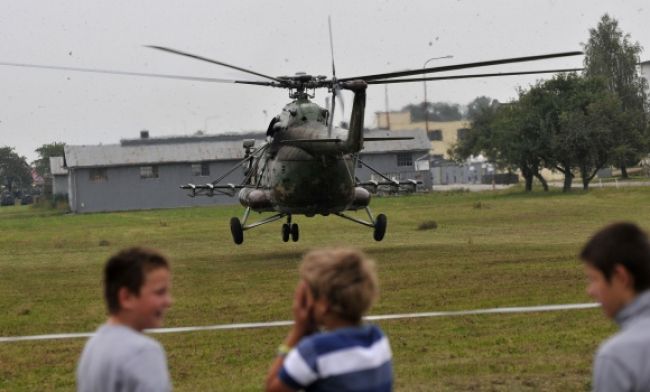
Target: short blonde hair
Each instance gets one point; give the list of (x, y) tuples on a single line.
[(345, 277)]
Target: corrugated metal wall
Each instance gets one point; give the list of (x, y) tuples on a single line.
[(123, 188)]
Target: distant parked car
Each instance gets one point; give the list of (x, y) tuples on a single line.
[(7, 199), (26, 199)]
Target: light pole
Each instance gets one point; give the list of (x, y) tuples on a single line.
[(426, 109)]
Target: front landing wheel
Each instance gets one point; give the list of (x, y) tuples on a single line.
[(286, 231), (236, 230), (295, 233), (380, 227)]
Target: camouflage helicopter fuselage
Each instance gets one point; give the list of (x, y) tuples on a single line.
[(309, 168)]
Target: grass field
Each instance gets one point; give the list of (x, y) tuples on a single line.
[(488, 250)]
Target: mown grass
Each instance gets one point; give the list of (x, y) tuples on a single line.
[(488, 249)]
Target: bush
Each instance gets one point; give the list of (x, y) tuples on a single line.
[(428, 225)]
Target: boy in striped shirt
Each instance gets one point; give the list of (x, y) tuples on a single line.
[(329, 348)]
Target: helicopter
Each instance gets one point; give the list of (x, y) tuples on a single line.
[(306, 165)]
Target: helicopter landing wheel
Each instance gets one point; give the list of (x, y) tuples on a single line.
[(380, 227), (286, 231), (236, 230), (295, 233)]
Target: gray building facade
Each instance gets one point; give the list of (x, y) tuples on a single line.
[(147, 173)]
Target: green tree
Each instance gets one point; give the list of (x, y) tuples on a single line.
[(478, 140), (567, 123), (591, 132), (437, 111), (45, 152), (582, 117), (505, 134), (611, 54), (479, 105), (15, 173), (520, 141), (42, 164)]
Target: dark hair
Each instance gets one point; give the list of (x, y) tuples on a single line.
[(128, 268), (620, 243)]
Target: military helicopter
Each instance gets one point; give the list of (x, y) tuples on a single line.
[(307, 165)]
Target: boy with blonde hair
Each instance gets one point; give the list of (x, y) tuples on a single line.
[(336, 288), (119, 357)]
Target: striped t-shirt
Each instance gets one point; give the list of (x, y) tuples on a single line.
[(346, 359)]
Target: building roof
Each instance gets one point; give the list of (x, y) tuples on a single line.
[(57, 166), (420, 141), (156, 151), (206, 148)]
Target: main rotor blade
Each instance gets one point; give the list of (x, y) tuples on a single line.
[(485, 75), (174, 51), (390, 75), (128, 73), (329, 24), (334, 84)]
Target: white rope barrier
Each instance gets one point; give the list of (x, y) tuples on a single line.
[(272, 324)]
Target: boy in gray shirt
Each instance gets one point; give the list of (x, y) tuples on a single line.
[(617, 264), (119, 357)]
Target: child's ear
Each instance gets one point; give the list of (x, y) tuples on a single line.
[(623, 276), (125, 298)]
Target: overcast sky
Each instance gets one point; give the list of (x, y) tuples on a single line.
[(272, 37)]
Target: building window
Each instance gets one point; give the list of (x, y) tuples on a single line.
[(98, 175), (462, 133), (201, 169), (405, 159), (435, 135), (148, 171)]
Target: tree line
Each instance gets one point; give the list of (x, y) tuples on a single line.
[(572, 123), (16, 173)]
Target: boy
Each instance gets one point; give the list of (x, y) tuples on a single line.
[(336, 288), (617, 264), (119, 357)]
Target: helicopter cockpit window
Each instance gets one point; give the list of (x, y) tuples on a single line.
[(270, 131), (312, 112)]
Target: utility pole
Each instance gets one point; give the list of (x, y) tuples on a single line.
[(426, 109), (386, 101)]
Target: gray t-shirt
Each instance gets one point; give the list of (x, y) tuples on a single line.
[(623, 361), (118, 358)]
